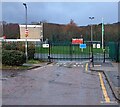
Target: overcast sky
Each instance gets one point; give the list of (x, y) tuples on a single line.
[(61, 12)]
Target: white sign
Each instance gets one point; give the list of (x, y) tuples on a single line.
[(98, 45), (45, 45), (94, 45)]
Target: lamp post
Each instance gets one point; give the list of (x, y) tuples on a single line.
[(91, 18), (26, 33)]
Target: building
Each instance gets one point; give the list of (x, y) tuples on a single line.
[(34, 31)]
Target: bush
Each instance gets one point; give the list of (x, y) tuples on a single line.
[(13, 57), (31, 50), (21, 47), (9, 45)]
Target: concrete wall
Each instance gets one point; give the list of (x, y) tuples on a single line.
[(34, 32)]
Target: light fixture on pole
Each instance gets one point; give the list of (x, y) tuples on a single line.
[(26, 32), (91, 18)]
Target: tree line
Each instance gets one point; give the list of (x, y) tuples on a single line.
[(59, 32)]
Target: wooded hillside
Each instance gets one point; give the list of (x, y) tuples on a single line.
[(58, 32)]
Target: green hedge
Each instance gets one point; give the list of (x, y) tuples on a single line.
[(13, 57), (31, 50), (21, 47)]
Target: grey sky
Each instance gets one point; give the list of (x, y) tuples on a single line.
[(61, 12)]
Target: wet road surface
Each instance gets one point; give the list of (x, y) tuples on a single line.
[(60, 83)]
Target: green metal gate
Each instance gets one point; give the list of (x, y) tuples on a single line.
[(114, 51), (69, 51)]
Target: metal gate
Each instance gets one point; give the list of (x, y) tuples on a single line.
[(114, 51), (68, 51)]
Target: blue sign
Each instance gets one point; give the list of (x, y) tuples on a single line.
[(82, 45)]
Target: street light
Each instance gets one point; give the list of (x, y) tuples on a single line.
[(91, 18), (25, 31)]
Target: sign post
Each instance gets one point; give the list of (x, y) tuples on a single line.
[(26, 45)]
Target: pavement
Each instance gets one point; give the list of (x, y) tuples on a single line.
[(32, 66), (111, 70), (13, 73)]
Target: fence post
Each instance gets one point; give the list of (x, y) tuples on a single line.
[(49, 52), (89, 51), (104, 53), (70, 51), (92, 54), (117, 52)]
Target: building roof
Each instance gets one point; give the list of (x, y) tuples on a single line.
[(33, 26)]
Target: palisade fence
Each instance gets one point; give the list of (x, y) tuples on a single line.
[(65, 50), (61, 51), (114, 51), (69, 51)]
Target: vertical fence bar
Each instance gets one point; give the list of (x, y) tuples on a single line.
[(62, 49), (70, 51), (49, 53), (104, 53), (89, 50), (117, 52)]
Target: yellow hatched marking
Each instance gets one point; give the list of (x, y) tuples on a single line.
[(107, 99)]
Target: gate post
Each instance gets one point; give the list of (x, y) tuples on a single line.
[(104, 55), (49, 53), (92, 54), (117, 52), (104, 51)]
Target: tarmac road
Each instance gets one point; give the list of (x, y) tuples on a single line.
[(61, 83)]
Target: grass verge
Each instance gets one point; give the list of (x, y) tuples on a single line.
[(23, 67), (6, 67)]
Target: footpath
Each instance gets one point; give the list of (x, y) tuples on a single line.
[(6, 73), (111, 71)]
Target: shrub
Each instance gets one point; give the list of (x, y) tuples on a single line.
[(9, 45), (13, 57), (21, 47), (31, 50)]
